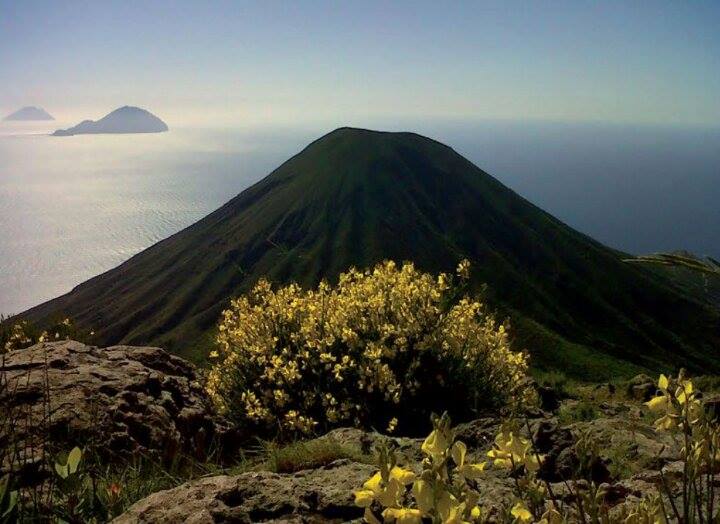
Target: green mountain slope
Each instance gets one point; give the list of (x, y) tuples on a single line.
[(355, 197)]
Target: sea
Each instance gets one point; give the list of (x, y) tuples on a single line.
[(74, 207)]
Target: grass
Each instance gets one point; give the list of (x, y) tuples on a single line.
[(555, 380), (582, 411), (551, 352), (301, 455), (144, 476)]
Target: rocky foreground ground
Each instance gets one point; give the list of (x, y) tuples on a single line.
[(143, 400), (124, 400)]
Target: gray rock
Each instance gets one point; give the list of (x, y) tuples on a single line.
[(127, 399), (311, 496), (641, 387)]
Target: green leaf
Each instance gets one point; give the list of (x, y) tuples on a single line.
[(62, 470), (73, 460), (4, 486), (11, 503)]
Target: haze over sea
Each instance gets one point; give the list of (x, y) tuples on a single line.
[(73, 207)]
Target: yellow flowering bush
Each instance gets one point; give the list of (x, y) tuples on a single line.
[(390, 340)]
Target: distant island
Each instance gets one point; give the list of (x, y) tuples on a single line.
[(126, 119), (29, 113)]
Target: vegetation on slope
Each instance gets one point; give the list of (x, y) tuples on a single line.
[(356, 197)]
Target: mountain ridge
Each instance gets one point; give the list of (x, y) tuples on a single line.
[(355, 197)]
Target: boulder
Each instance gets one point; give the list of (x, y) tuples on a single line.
[(128, 399), (549, 398), (317, 495), (321, 495), (712, 406), (479, 434), (641, 387)]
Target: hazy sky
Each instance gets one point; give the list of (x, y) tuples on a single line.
[(642, 61)]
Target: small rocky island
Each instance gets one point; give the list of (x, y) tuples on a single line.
[(126, 119), (29, 113)]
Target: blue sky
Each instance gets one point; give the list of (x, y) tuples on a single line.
[(287, 62)]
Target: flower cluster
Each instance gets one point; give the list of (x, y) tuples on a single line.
[(516, 453), (23, 334), (392, 337), (16, 337), (677, 405), (440, 493), (512, 451), (448, 489), (682, 411)]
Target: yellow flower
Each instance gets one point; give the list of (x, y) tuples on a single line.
[(520, 512), (360, 334), (403, 476), (666, 423), (658, 404), (364, 498), (374, 483), (403, 515), (390, 495), (472, 471), (392, 425), (463, 269), (512, 450), (435, 444), (458, 451), (684, 392)]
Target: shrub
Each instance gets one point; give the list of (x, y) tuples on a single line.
[(390, 338)]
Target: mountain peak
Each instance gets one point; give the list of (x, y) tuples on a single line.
[(125, 119), (355, 197), (29, 113), (360, 132), (130, 109)]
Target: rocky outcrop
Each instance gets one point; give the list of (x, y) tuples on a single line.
[(318, 495), (127, 399), (627, 467)]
